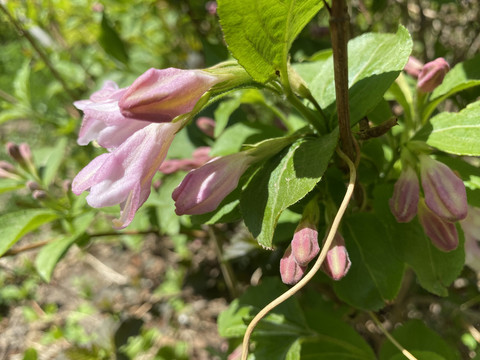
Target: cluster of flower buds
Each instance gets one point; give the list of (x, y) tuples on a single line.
[(137, 125), (444, 200), (429, 75), (304, 247)]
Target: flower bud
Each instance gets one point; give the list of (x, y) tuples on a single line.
[(337, 262), (14, 152), (444, 191), (206, 125), (25, 152), (162, 95), (432, 75), (413, 66), (305, 243), (32, 185), (443, 233), (39, 195), (8, 171), (290, 271), (471, 230), (403, 203), (203, 189), (200, 157)]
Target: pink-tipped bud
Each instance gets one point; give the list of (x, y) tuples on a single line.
[(337, 262), (25, 152), (305, 242), (443, 233), (14, 151), (413, 66), (403, 203), (32, 185), (39, 195), (444, 191), (290, 271), (432, 75), (162, 95), (8, 171), (471, 230), (206, 125)]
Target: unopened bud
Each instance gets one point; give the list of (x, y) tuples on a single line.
[(443, 233), (8, 171), (432, 75), (14, 152), (305, 243), (413, 66), (39, 195), (403, 203), (25, 152), (444, 191), (206, 125), (290, 271), (32, 185), (337, 262)]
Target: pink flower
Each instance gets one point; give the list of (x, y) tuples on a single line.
[(403, 203), (290, 271), (337, 262), (443, 233), (206, 125), (444, 191), (200, 157), (203, 189), (413, 66), (162, 95), (432, 74), (471, 229), (305, 242), (124, 175), (102, 119)]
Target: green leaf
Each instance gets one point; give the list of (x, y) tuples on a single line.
[(375, 274), (53, 252), (463, 76), (374, 62), (415, 335), (435, 269), (259, 33), (457, 133), (334, 338), (17, 112), (111, 41), (30, 354), (9, 185), (21, 84), (16, 224), (284, 180), (53, 161)]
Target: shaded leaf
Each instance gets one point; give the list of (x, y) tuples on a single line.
[(111, 41)]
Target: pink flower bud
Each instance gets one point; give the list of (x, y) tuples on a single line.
[(443, 233), (444, 191), (14, 152), (206, 125), (403, 203), (413, 66), (203, 189), (432, 75), (305, 242), (25, 152), (32, 185), (39, 195), (290, 271), (337, 262), (200, 157), (471, 229), (8, 171), (162, 95)]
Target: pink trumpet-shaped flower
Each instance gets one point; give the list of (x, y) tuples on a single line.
[(443, 233), (337, 262), (203, 189), (161, 95), (403, 203), (124, 176), (432, 74), (444, 191), (305, 242), (103, 120), (290, 271)]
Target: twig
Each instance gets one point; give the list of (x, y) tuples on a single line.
[(318, 263), (404, 351), (109, 274), (28, 247), (339, 21), (39, 51)]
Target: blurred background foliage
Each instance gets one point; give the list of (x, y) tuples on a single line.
[(54, 52)]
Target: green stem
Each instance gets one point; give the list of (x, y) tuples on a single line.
[(307, 113)]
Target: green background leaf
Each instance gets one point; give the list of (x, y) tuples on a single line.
[(14, 225), (415, 335), (259, 33), (284, 180), (457, 133), (376, 274)]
